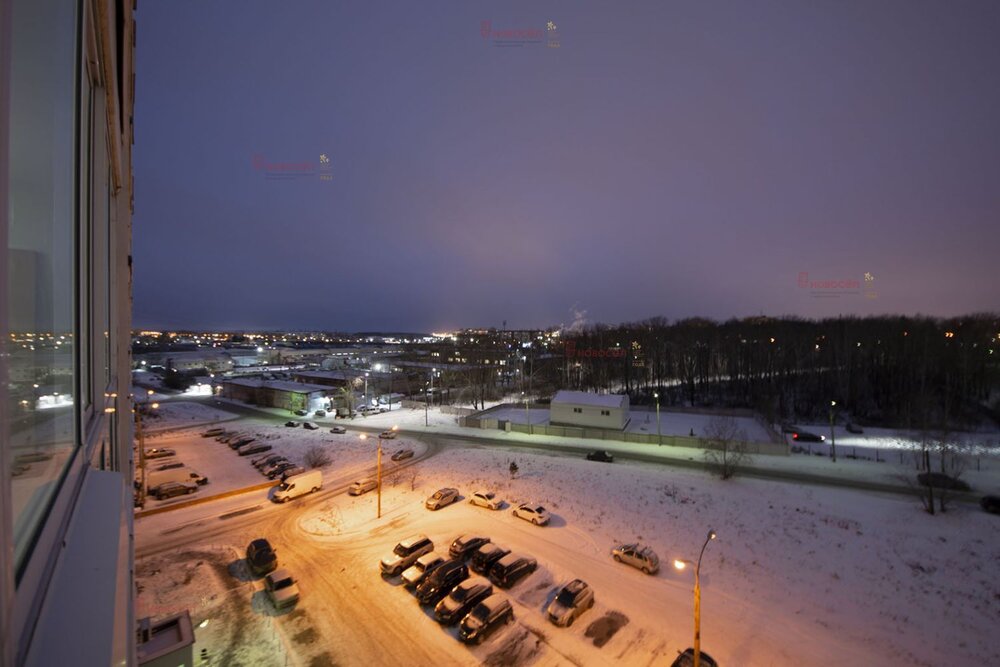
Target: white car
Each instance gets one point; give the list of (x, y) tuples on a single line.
[(536, 514), (362, 486), (424, 566), (486, 499), (281, 589), (441, 498)]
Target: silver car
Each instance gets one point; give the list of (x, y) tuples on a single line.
[(486, 499), (361, 486), (441, 498), (281, 588), (638, 556), (572, 600), (426, 564)]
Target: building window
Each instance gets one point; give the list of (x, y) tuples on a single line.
[(578, 410), (606, 413), (42, 265)]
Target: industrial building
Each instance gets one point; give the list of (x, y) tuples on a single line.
[(580, 408), (278, 394)]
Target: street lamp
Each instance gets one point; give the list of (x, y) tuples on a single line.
[(527, 415), (680, 564), (426, 400), (366, 389), (378, 468), (833, 440), (659, 438)]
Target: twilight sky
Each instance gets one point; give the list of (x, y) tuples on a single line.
[(665, 158)]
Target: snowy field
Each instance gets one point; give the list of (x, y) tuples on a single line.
[(798, 575)]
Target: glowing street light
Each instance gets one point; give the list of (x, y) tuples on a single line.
[(681, 564), (833, 441), (659, 438)]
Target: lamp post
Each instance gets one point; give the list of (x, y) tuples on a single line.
[(366, 389), (833, 439), (659, 438), (527, 415), (680, 564), (427, 398), (378, 469)]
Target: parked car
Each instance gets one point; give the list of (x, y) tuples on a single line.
[(182, 474), (169, 466), (441, 498), (212, 432), (438, 583), (423, 566), (265, 460), (291, 472), (155, 453), (229, 437), (990, 504), (536, 514), (486, 555), (405, 554), (302, 413), (464, 545), (319, 413), (485, 618), (570, 602), (173, 489), (236, 443), (309, 426), (806, 436), (511, 568), (338, 429), (366, 410), (261, 557), (362, 486), (291, 424), (686, 659), (853, 428), (266, 469), (276, 471), (388, 435), (486, 499), (461, 600), (254, 448), (638, 556), (281, 589), (939, 480), (297, 484), (402, 455), (602, 456)]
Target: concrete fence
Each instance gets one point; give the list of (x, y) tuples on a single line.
[(482, 420)]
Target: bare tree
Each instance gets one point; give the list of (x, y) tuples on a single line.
[(726, 447), (317, 457), (413, 478)]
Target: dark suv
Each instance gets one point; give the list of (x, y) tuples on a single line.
[(439, 583), (261, 557), (484, 557), (461, 600), (464, 545), (508, 570)]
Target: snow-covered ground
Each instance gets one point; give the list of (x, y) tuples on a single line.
[(886, 439), (799, 575)]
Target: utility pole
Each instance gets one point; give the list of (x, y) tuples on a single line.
[(833, 439)]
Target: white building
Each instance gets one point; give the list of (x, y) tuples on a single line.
[(581, 408)]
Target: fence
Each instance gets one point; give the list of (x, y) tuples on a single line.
[(481, 420)]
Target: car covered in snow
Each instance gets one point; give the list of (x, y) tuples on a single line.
[(213, 432), (338, 429), (441, 498), (265, 460), (281, 589), (512, 568), (302, 413), (309, 426), (461, 600), (485, 618), (402, 455), (254, 448), (532, 512), (686, 659), (159, 453), (485, 556), (405, 554), (486, 499), (638, 556), (168, 466), (291, 423), (319, 413), (464, 545), (570, 602), (362, 486), (388, 435), (423, 566)]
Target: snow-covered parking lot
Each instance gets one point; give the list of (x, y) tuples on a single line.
[(798, 575)]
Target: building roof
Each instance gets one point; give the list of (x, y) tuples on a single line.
[(280, 385), (593, 400)]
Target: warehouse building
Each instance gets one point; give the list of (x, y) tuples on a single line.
[(278, 394), (580, 408)]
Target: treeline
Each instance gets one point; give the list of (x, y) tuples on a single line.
[(916, 372)]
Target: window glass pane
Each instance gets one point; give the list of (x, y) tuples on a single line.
[(40, 259)]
